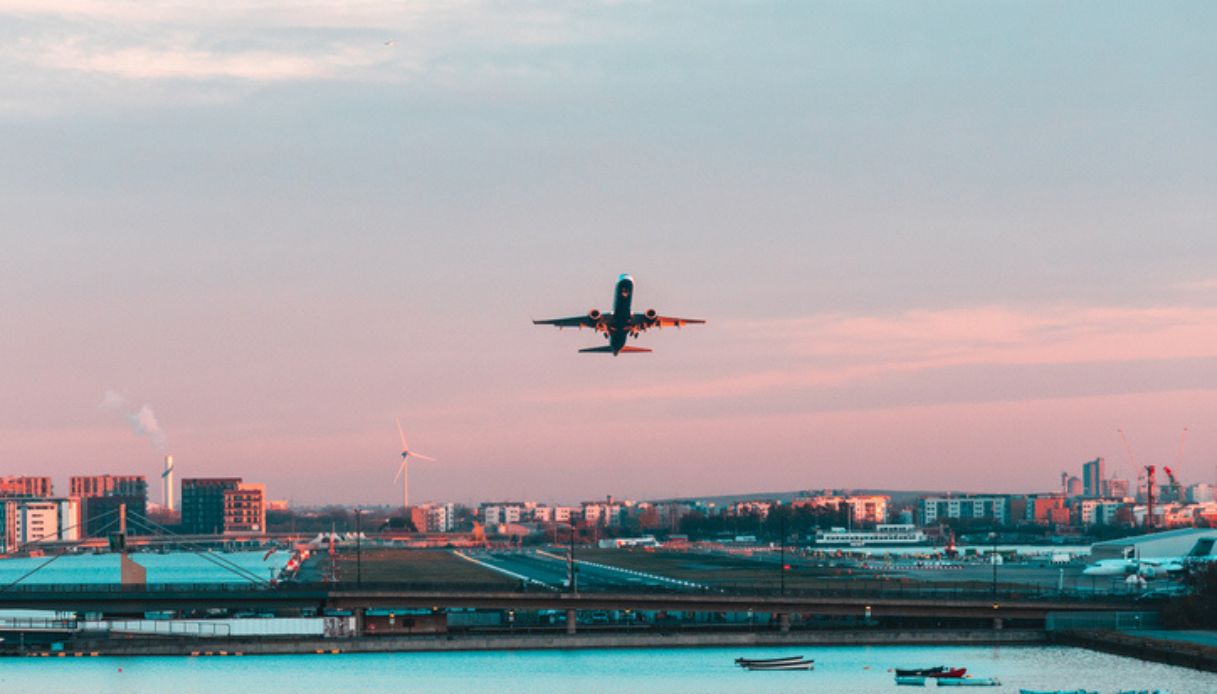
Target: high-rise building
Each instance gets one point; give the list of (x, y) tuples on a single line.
[(1073, 487), (1092, 478), (102, 495), (245, 509), (1117, 489), (203, 504), (25, 486)]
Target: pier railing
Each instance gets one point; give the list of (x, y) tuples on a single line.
[(854, 588)]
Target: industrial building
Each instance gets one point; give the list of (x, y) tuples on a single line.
[(102, 495), (1170, 543), (26, 486), (203, 504)]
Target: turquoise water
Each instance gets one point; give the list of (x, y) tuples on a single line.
[(679, 671), (173, 567)]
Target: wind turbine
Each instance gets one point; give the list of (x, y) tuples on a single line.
[(403, 470)]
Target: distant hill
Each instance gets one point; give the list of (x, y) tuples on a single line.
[(899, 496)]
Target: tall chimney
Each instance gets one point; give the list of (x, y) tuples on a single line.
[(167, 484)]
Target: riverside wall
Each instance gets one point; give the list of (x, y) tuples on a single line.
[(1158, 647), (509, 642)]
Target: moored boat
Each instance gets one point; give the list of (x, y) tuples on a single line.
[(920, 672), (911, 680), (1056, 691), (792, 665), (968, 682), (768, 661), (953, 673)]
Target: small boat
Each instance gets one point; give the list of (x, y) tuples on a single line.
[(1056, 691), (911, 680), (792, 665), (921, 672), (953, 673), (768, 661), (968, 682)]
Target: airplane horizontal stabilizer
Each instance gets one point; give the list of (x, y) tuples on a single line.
[(609, 350)]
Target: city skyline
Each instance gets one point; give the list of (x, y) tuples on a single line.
[(933, 253)]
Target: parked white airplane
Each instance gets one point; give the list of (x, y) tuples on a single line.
[(1155, 567)]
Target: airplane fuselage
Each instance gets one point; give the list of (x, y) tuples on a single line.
[(618, 329)]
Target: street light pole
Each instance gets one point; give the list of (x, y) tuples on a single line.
[(993, 560), (572, 570), (782, 563)]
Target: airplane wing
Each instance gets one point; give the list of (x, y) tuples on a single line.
[(1168, 563), (584, 321), (650, 320)]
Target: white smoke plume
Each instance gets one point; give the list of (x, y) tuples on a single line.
[(143, 421)]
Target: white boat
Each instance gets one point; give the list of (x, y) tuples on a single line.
[(768, 661), (968, 682), (793, 665), (911, 680)]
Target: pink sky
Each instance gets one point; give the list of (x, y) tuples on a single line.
[(937, 249)]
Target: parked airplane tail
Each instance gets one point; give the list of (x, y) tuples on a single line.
[(608, 349)]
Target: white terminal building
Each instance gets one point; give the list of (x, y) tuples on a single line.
[(889, 534)]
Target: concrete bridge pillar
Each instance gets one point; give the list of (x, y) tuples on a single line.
[(784, 622), (360, 614), (570, 621)]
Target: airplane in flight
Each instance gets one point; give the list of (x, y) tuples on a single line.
[(619, 325)]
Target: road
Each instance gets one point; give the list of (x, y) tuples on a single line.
[(550, 569), (1045, 577)]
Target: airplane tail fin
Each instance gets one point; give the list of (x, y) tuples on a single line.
[(609, 349)]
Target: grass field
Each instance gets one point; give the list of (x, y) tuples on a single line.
[(416, 566)]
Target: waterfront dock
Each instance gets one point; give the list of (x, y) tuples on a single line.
[(548, 641), (1194, 649)]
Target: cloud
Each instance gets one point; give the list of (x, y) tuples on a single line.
[(270, 41), (112, 401), (842, 351), (170, 62)]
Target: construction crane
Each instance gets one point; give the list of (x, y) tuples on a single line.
[(1173, 490)]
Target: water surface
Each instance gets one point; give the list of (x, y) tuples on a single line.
[(171, 567), (636, 671)]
